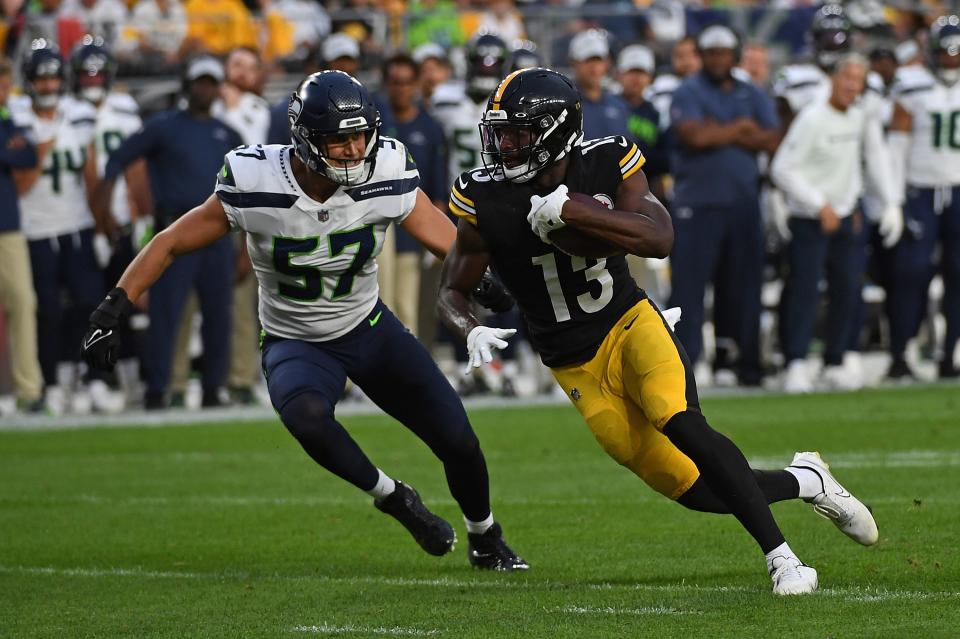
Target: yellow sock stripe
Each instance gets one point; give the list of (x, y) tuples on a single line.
[(629, 155), (456, 210), (635, 168), (460, 197), (502, 88)]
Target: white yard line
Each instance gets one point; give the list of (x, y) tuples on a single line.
[(607, 610), (395, 631), (865, 594)]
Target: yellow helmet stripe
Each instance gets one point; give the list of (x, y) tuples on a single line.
[(503, 87)]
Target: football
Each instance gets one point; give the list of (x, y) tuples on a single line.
[(574, 242)]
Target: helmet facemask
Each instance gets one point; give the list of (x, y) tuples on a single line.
[(313, 148), (516, 151)]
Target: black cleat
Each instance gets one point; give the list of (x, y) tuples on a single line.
[(434, 534), (490, 552), (900, 371), (947, 370)]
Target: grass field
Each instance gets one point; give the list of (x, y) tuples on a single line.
[(231, 531)]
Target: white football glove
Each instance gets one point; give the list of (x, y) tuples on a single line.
[(480, 344), (891, 225), (779, 214), (544, 213), (672, 316)]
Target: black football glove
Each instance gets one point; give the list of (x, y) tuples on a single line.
[(491, 295), (102, 341)]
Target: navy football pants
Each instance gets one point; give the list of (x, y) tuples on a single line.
[(306, 379), (925, 229), (809, 253), (725, 246), (209, 271), (64, 263)]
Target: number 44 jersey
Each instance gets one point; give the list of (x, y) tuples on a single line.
[(569, 304), (315, 261), (56, 204)]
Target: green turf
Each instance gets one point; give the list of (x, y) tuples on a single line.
[(231, 531)]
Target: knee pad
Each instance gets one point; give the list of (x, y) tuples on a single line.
[(306, 414)]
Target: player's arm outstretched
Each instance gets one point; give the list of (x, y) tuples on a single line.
[(463, 269), (200, 227), (638, 223), (429, 226)]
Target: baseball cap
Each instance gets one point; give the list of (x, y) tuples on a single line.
[(718, 37), (589, 44), (340, 45), (205, 66), (636, 57), (429, 50)]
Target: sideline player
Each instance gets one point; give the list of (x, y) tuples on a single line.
[(58, 223), (925, 144), (606, 343), (315, 216)]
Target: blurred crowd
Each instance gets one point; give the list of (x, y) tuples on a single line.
[(811, 228)]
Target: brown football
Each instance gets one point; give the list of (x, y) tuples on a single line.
[(574, 242)]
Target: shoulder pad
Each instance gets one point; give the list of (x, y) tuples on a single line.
[(448, 92), (462, 202), (796, 76), (123, 103), (80, 112), (664, 84), (912, 79)]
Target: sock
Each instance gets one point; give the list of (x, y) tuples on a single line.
[(810, 482), (384, 486), (783, 550), (479, 527)]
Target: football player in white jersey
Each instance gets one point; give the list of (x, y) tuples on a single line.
[(459, 110), (92, 69), (925, 140), (56, 216), (315, 215)]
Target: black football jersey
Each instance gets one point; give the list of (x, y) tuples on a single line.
[(569, 304)]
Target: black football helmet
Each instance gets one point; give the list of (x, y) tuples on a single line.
[(92, 69), (486, 65), (43, 61), (523, 56), (830, 34), (325, 107), (533, 119), (945, 39)]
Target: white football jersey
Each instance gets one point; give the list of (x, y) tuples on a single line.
[(460, 118), (934, 156), (117, 119), (56, 204), (315, 262), (660, 95), (250, 117)]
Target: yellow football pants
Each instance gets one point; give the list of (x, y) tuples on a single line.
[(629, 391)]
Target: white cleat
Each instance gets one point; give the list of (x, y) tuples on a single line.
[(792, 577), (796, 379), (837, 504)]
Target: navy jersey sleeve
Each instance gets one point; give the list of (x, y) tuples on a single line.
[(141, 144), (438, 182), (22, 155)]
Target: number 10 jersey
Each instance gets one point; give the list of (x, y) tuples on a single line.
[(315, 261)]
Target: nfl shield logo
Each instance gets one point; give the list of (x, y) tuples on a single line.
[(323, 215)]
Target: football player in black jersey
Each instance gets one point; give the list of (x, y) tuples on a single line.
[(606, 343)]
